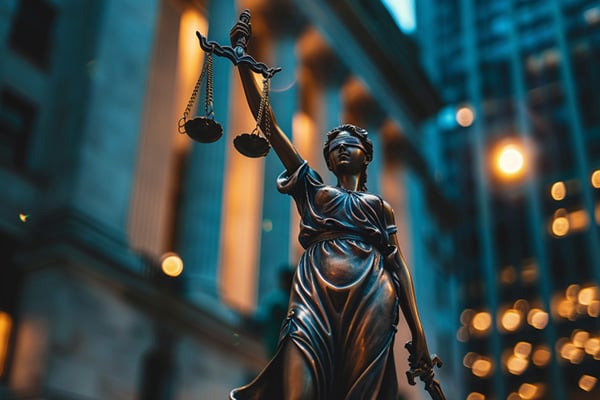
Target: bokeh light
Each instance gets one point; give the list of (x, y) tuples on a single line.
[(595, 179), (587, 382), (541, 356), (529, 391), (482, 322), (516, 365), (511, 320), (558, 191), (509, 160), (482, 367), (587, 295), (475, 396), (522, 349), (171, 265), (560, 226), (580, 337), (465, 116), (537, 318), (592, 346), (5, 330)]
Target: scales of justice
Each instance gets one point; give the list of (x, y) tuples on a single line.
[(337, 340)]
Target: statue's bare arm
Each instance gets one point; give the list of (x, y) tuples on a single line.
[(284, 148), (406, 296)]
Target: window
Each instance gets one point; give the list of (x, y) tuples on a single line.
[(31, 32), (16, 122)]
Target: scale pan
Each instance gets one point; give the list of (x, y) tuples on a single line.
[(203, 129), (251, 145)]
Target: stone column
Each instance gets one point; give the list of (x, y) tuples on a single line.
[(87, 156), (281, 23), (201, 205)]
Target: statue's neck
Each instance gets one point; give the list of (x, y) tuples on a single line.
[(349, 182)]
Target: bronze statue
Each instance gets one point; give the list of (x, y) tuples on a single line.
[(337, 339)]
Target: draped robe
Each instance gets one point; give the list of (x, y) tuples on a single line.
[(343, 307)]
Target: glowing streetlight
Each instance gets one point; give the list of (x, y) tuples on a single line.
[(509, 160)]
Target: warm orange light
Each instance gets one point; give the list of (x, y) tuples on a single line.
[(593, 309), (522, 349), (189, 63), (482, 321), (537, 318), (482, 367), (592, 346), (572, 291), (511, 320), (465, 116), (475, 396), (516, 365), (529, 272), (566, 309), (595, 179), (580, 337), (572, 353), (587, 295), (560, 226), (303, 132), (541, 356), (558, 191), (530, 391), (5, 328), (172, 265), (509, 160), (508, 275), (587, 382)]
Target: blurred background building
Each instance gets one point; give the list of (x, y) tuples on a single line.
[(517, 149), (138, 264)]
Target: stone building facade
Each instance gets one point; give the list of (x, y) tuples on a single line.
[(99, 186)]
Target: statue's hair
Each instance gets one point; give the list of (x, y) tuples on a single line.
[(362, 135)]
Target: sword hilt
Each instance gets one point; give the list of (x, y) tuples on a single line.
[(417, 371)]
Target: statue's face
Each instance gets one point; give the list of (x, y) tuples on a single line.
[(346, 154)]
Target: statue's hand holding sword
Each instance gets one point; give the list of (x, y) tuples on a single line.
[(425, 372)]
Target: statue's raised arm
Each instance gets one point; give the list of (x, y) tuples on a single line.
[(287, 153), (206, 130)]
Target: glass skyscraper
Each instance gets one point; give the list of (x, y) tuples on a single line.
[(517, 149)]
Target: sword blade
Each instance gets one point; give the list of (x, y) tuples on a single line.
[(435, 390)]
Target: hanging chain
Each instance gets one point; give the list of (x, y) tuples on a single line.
[(264, 106), (208, 101), (194, 96)]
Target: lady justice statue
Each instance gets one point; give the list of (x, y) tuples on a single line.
[(351, 281)]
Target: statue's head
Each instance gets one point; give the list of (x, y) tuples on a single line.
[(354, 136)]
